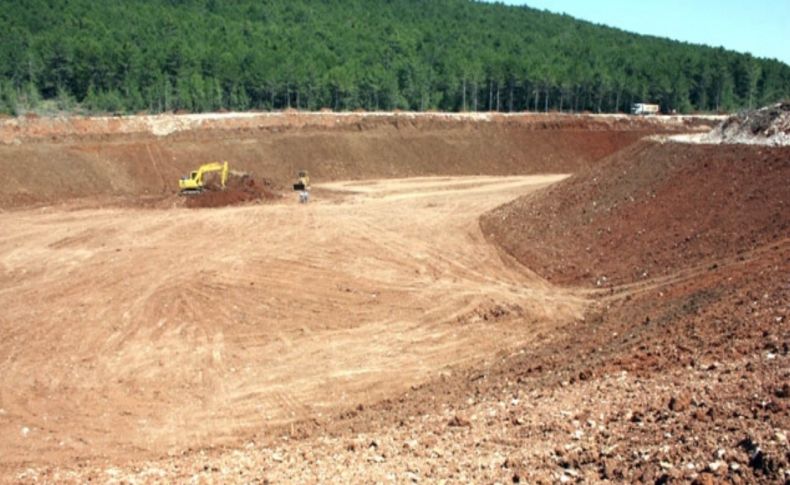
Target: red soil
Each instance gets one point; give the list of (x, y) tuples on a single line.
[(78, 158), (649, 210), (679, 254), (238, 190), (692, 244)]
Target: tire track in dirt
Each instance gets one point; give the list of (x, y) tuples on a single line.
[(142, 332), (618, 292)]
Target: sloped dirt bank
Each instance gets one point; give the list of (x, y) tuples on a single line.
[(688, 251), (52, 161), (656, 395), (649, 210)]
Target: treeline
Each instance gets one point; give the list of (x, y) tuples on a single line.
[(452, 55)]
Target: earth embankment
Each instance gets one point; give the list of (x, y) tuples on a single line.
[(54, 160), (684, 251), (649, 210)]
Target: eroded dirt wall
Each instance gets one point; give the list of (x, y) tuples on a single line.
[(46, 164)]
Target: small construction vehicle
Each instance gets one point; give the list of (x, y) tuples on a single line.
[(195, 182), (302, 186)]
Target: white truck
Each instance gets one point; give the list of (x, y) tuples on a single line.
[(645, 109)]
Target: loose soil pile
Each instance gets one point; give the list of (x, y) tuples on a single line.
[(765, 126), (239, 189)]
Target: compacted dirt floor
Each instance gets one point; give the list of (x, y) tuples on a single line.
[(130, 332)]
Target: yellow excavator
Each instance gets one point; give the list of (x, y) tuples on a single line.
[(194, 183)]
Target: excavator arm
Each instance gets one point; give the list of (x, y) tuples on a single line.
[(213, 167)]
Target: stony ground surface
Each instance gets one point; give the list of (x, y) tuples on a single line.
[(706, 421)]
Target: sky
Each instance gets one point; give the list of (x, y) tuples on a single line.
[(760, 27)]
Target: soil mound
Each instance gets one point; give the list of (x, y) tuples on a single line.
[(239, 189), (690, 337), (766, 126), (649, 210)]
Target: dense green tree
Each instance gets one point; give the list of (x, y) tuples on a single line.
[(455, 55), (8, 97)]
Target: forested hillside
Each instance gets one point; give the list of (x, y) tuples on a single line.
[(203, 55)]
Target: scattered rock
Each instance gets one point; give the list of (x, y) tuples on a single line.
[(459, 420), (717, 466), (376, 459), (608, 470), (705, 479), (680, 402), (413, 477), (783, 391)]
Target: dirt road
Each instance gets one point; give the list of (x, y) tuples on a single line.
[(140, 332)]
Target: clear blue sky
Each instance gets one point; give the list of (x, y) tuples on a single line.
[(761, 27)]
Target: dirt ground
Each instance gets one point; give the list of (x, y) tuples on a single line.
[(133, 332), (444, 310)]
